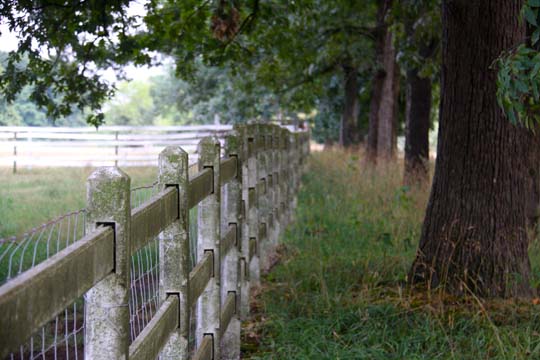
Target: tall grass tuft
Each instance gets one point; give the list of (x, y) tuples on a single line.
[(340, 291)]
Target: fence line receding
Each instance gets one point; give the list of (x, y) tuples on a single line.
[(161, 270)]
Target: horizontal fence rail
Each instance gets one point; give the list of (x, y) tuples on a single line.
[(142, 292)]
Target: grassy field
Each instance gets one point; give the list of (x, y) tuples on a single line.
[(32, 197), (338, 292)]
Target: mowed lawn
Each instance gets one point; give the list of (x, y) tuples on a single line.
[(33, 196), (340, 292)]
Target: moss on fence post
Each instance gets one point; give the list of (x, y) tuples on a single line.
[(232, 217), (254, 142), (107, 330), (276, 231), (244, 154), (208, 236), (174, 249)]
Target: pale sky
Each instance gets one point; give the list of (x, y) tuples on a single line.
[(8, 42)]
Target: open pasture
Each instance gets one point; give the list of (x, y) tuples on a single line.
[(33, 196)]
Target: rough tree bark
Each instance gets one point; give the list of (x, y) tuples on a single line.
[(474, 237), (388, 101), (385, 87), (417, 117), (349, 134)]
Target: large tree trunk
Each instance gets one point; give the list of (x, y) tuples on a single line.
[(417, 116), (474, 236), (349, 121)]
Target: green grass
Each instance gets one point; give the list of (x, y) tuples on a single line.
[(32, 197), (339, 291)]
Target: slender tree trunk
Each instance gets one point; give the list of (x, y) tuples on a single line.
[(377, 85), (474, 236), (385, 90), (417, 129), (395, 116), (349, 121), (388, 103)]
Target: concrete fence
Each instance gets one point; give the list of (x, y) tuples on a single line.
[(244, 200)]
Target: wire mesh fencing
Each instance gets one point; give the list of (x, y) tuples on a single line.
[(63, 336), (144, 272)]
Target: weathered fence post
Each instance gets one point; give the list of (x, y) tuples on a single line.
[(174, 249), (269, 171), (244, 154), (293, 159), (106, 304), (275, 186), (208, 231), (284, 177), (262, 196), (232, 218), (253, 212)]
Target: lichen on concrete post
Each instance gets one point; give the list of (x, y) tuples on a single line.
[(107, 331), (262, 195), (174, 249), (232, 216), (288, 175), (293, 175), (269, 170), (244, 154), (253, 212), (208, 237), (275, 185), (297, 169)]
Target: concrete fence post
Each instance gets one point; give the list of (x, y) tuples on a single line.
[(284, 177), (174, 249), (290, 176), (254, 209), (232, 218), (269, 169), (262, 196), (244, 154), (297, 167), (275, 185), (106, 304), (208, 235), (263, 205)]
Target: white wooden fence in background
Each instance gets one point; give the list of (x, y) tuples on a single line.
[(108, 145)]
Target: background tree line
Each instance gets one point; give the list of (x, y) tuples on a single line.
[(364, 71)]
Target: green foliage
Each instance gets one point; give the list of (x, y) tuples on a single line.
[(417, 26), (242, 59), (132, 105), (518, 84), (63, 45), (518, 78), (339, 291)]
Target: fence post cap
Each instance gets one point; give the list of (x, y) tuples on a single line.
[(172, 151), (105, 185)]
